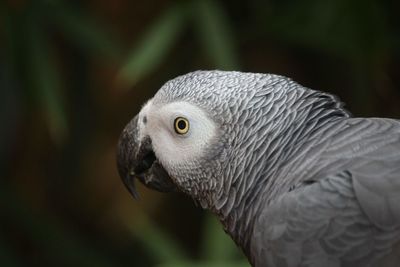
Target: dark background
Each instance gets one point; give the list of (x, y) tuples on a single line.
[(73, 73)]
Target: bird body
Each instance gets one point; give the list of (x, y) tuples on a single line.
[(348, 213), (292, 176)]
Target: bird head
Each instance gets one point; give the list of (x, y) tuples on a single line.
[(211, 134), (178, 141)]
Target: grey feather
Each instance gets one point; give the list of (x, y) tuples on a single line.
[(292, 176)]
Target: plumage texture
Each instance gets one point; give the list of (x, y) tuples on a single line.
[(294, 179)]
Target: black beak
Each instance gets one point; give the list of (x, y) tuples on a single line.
[(129, 183), (136, 159)]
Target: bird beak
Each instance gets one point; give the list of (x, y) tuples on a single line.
[(129, 183), (136, 159)]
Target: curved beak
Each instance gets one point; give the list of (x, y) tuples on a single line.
[(136, 159), (129, 183)]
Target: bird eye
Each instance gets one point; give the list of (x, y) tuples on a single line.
[(181, 125)]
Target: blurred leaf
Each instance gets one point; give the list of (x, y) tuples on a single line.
[(7, 256), (9, 94), (217, 246), (205, 264), (152, 49), (9, 115), (58, 243), (161, 246), (82, 30), (46, 82), (340, 27), (216, 33)]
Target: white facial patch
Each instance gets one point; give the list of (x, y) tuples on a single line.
[(170, 147), (142, 121)]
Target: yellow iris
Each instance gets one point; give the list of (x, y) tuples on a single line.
[(181, 125)]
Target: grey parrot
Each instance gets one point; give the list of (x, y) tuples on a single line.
[(294, 179)]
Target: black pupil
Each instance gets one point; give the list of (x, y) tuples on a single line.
[(181, 125)]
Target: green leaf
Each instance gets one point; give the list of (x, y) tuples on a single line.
[(217, 245), (60, 244), (82, 30), (339, 28), (152, 49), (162, 247), (205, 264), (216, 33), (45, 81), (7, 256)]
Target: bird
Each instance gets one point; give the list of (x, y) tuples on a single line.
[(294, 178)]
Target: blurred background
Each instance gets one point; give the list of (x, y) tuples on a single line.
[(73, 73)]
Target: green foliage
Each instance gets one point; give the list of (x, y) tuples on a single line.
[(45, 81), (154, 46), (159, 244), (7, 255), (212, 27), (29, 34), (48, 235), (215, 33), (82, 30), (217, 248)]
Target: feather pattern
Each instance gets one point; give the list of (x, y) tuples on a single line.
[(293, 177)]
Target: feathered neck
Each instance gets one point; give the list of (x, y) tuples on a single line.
[(275, 136)]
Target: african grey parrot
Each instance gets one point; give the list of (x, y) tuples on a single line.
[(294, 179)]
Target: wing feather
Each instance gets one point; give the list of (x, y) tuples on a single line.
[(321, 224), (350, 216)]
